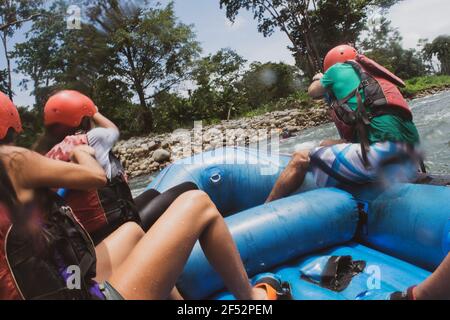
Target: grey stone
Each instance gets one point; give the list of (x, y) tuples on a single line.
[(161, 155)]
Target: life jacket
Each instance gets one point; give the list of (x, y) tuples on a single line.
[(29, 270), (382, 96), (100, 211)]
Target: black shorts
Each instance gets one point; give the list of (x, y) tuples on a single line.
[(109, 292)]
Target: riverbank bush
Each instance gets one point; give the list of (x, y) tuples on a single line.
[(423, 84), (298, 100)]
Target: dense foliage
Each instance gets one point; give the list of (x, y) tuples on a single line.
[(144, 69), (384, 45), (13, 13), (440, 49), (312, 26)]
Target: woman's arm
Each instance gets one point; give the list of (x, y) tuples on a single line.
[(316, 89), (103, 122), (33, 170)]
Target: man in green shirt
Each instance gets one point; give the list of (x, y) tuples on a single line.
[(342, 79), (388, 135)]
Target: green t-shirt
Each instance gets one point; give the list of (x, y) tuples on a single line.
[(342, 79)]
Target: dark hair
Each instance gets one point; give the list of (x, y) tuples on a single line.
[(9, 137), (7, 193), (22, 215), (56, 133)]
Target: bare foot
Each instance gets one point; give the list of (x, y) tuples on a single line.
[(259, 294)]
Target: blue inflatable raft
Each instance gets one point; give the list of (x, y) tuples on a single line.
[(397, 234)]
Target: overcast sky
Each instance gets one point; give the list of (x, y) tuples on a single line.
[(415, 19)]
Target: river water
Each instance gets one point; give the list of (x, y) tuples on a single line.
[(431, 116)]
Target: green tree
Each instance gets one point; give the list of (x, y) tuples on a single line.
[(312, 26), (215, 93), (55, 57), (173, 111), (94, 59), (384, 45), (217, 78), (13, 13), (37, 57), (439, 48), (3, 81), (265, 83), (32, 124), (155, 51)]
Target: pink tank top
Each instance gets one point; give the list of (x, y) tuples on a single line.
[(63, 149)]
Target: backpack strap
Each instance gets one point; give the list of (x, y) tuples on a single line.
[(363, 117), (348, 97), (361, 126), (357, 67)]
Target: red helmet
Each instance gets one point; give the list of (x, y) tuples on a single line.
[(9, 116), (68, 107), (339, 54)]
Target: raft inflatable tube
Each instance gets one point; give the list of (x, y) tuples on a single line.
[(409, 221), (396, 236)]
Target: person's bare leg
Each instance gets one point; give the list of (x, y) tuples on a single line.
[(154, 265), (292, 177), (175, 294), (436, 286), (112, 251)]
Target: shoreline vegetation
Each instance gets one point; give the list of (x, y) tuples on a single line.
[(148, 71), (425, 86), (287, 118)]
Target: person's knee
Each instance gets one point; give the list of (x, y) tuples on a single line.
[(196, 198), (199, 204), (133, 230), (300, 160)]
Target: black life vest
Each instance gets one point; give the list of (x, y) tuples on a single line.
[(103, 210), (41, 272)]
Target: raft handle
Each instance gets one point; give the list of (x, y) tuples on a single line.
[(215, 178)]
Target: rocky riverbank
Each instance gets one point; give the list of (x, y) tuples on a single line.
[(144, 155), (148, 154)]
